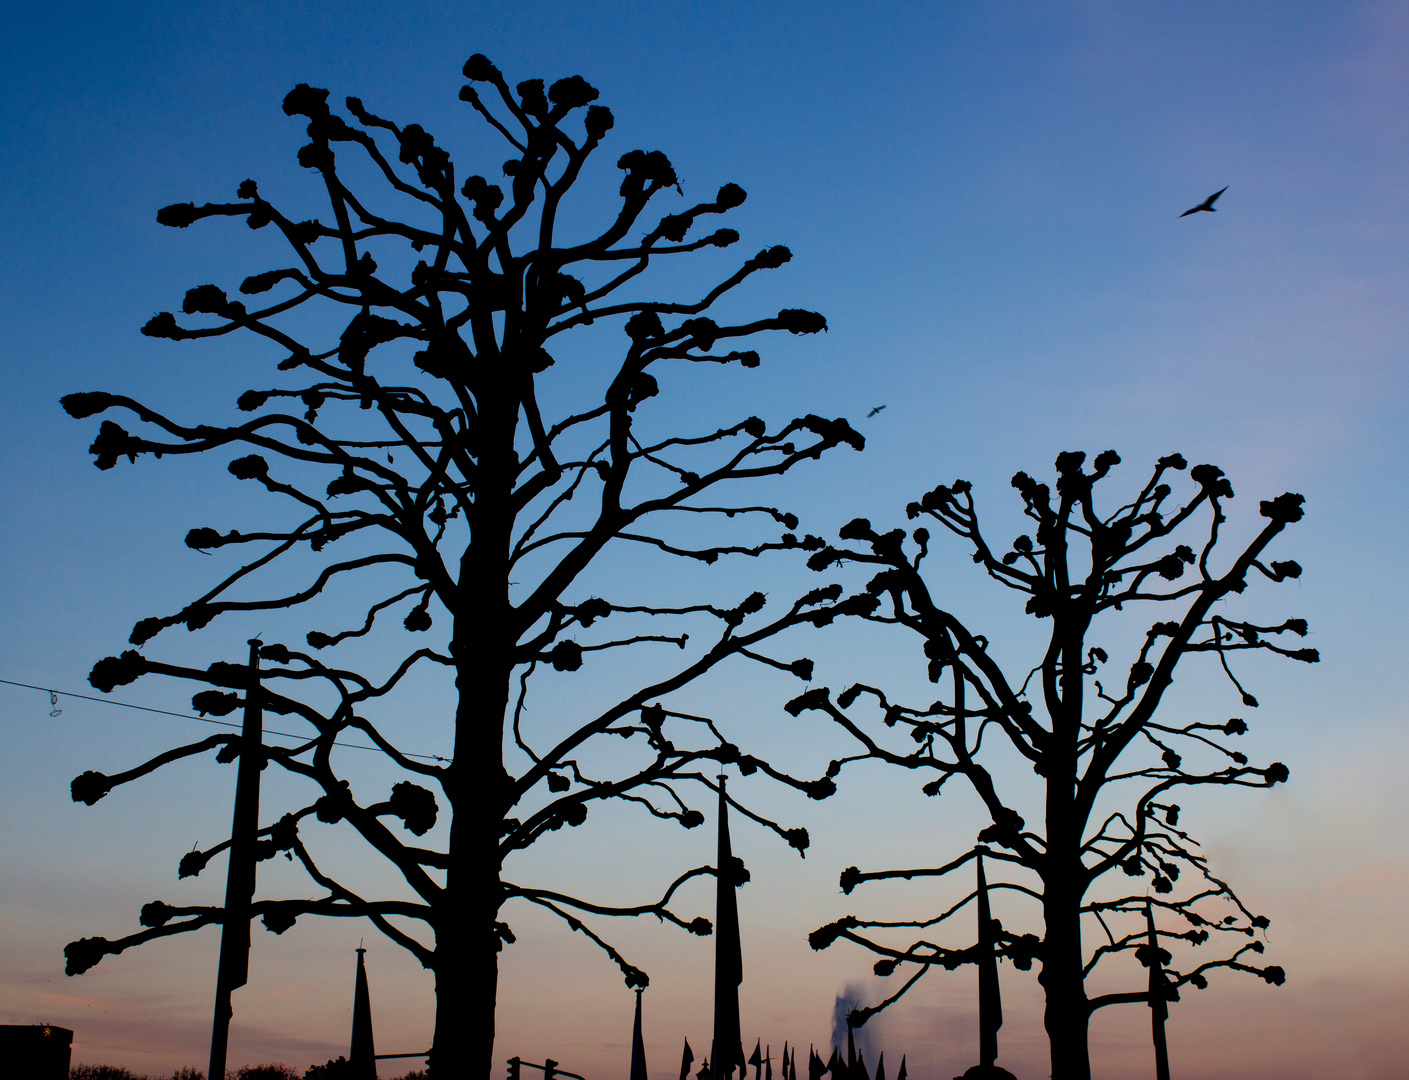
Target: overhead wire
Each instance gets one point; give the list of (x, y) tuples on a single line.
[(55, 711)]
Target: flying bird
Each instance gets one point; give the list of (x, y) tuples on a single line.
[(1207, 204), (873, 412)]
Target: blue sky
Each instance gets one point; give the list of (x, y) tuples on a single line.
[(983, 200)]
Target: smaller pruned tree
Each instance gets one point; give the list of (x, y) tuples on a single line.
[(1108, 763)]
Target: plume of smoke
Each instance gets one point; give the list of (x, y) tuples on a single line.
[(868, 1039)]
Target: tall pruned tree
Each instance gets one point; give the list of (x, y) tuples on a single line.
[(1108, 762), (423, 476)]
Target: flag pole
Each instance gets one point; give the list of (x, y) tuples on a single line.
[(240, 875)]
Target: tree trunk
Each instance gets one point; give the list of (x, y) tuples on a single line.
[(1067, 1016), (467, 941), (1064, 877), (466, 977)]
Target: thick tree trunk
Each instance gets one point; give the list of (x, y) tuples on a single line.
[(467, 952), (1067, 1016), (467, 941), (1064, 878)]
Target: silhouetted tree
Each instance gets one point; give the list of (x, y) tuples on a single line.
[(467, 483), (102, 1072), (272, 1071), (1108, 763)]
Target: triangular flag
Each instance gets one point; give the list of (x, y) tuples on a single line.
[(687, 1058), (816, 1069), (638, 1045), (902, 1074), (757, 1059), (881, 1067)]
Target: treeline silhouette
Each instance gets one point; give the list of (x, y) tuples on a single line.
[(266, 1071)]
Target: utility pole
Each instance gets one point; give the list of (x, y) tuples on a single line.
[(990, 1003), (1158, 999), (239, 882)]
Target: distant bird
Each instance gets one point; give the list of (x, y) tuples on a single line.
[(1207, 204), (873, 412)]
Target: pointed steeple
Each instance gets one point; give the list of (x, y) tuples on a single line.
[(990, 1004), (638, 1045), (1159, 1002), (903, 1074), (881, 1067), (727, 1052), (362, 1056)]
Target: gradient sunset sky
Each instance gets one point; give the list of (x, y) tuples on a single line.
[(984, 201)]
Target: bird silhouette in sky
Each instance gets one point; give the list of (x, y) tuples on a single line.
[(1207, 204), (873, 412)]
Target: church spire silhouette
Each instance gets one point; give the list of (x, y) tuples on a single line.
[(362, 1056), (727, 1051), (638, 1045)]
